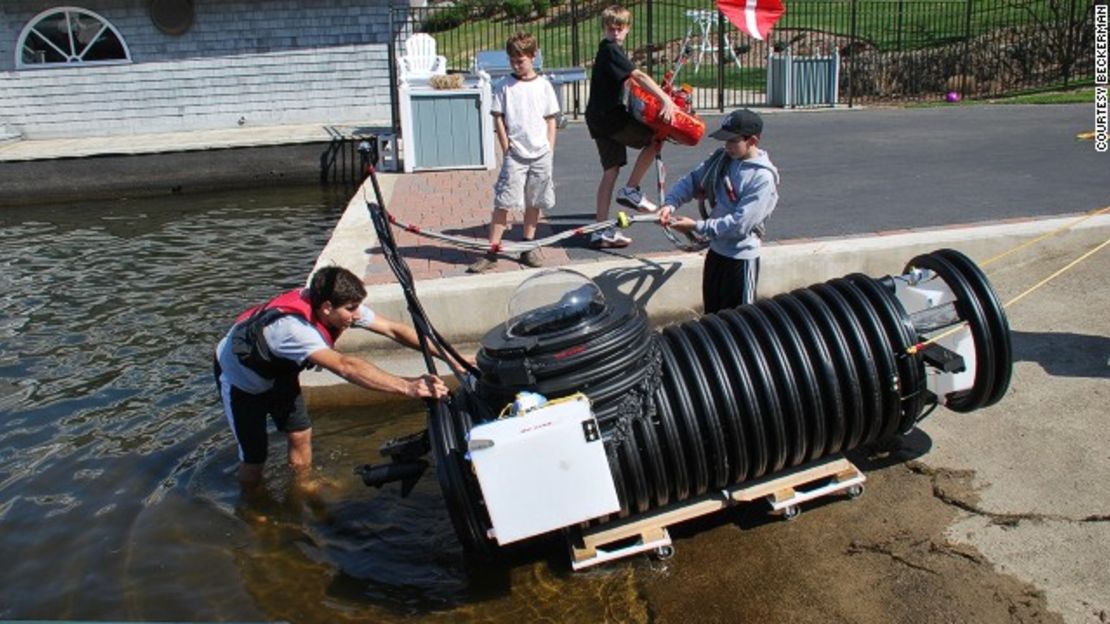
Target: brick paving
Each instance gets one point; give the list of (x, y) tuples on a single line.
[(453, 202)]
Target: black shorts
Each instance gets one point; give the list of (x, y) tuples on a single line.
[(727, 282), (611, 147), (246, 413)]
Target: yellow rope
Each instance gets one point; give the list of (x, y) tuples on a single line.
[(1054, 275), (917, 347), (1040, 238), (951, 330)]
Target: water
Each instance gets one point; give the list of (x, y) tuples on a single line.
[(118, 497)]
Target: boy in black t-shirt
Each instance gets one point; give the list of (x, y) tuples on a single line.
[(614, 128)]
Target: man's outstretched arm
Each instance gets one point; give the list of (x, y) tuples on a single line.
[(364, 374), (405, 335)]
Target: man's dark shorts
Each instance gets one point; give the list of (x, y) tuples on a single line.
[(283, 403), (611, 147)]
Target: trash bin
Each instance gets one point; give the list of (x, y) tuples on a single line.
[(447, 128), (794, 81)]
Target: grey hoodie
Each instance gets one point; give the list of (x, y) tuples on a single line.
[(735, 226)]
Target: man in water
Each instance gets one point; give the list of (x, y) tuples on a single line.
[(259, 360)]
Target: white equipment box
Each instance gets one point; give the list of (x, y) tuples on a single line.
[(542, 471)]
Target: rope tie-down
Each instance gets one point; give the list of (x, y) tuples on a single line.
[(722, 401), (622, 220), (465, 242)]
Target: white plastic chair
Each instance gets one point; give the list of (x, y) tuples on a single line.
[(420, 60)]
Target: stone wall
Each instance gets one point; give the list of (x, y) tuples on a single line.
[(241, 62), (1002, 61)]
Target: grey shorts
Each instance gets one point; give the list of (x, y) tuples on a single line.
[(525, 183)]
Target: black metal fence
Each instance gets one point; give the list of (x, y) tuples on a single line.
[(879, 50)]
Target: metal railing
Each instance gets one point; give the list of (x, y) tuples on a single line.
[(888, 50)]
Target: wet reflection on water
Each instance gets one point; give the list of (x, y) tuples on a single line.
[(117, 491)]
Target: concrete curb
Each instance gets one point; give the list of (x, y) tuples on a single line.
[(667, 285)]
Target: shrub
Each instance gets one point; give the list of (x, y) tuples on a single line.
[(445, 19), (488, 8), (518, 9)]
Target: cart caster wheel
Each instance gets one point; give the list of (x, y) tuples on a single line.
[(664, 552), (791, 512), (855, 491)]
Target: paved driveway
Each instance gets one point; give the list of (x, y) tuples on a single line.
[(866, 170)]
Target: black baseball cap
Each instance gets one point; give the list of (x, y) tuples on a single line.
[(739, 123)]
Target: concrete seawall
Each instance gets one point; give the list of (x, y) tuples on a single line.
[(667, 285), (58, 170)]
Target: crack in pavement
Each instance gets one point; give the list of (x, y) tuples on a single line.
[(918, 548), (965, 502), (857, 547)]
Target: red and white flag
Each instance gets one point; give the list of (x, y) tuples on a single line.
[(755, 17)]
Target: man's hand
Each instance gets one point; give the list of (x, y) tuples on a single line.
[(502, 133), (362, 373), (665, 212), (425, 387), (682, 224), (667, 113)]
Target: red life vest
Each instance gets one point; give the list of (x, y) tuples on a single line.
[(294, 302), (250, 346)]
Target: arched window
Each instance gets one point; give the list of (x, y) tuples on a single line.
[(66, 36)]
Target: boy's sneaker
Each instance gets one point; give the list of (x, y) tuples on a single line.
[(631, 197), (485, 263), (609, 238), (532, 258)]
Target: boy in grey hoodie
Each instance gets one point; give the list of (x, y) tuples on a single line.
[(741, 187)]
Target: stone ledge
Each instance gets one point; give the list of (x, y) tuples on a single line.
[(668, 285)]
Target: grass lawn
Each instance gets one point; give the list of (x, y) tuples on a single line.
[(1077, 95), (748, 79), (888, 24), (1082, 95)]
